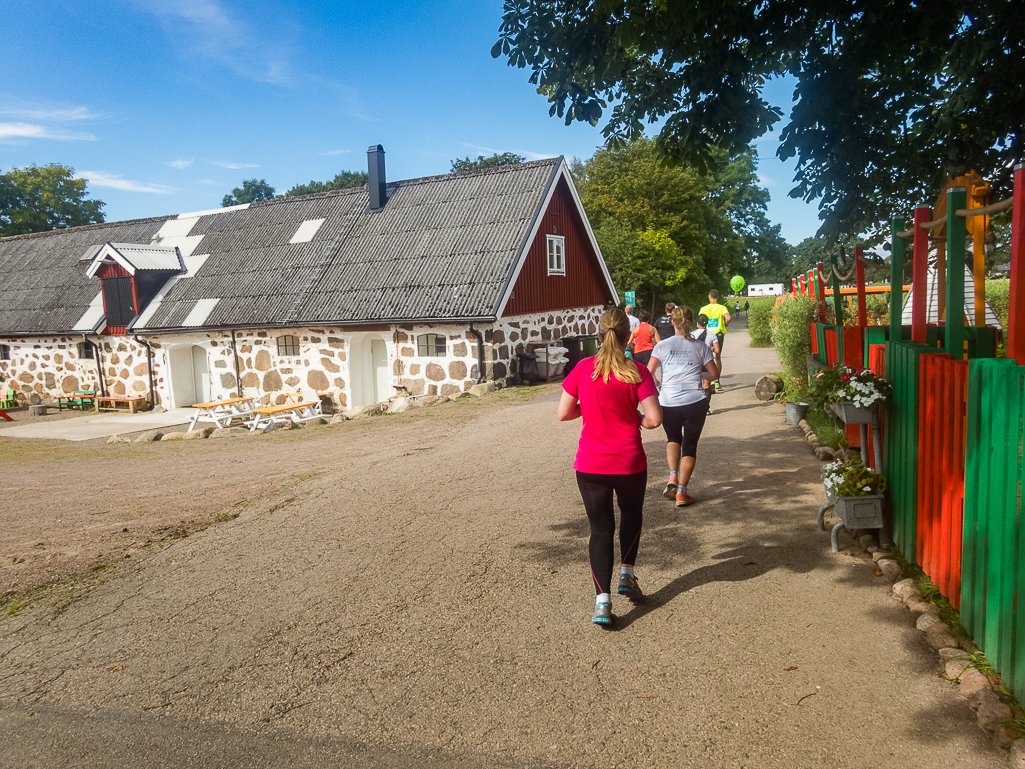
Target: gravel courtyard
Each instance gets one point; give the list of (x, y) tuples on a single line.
[(412, 591)]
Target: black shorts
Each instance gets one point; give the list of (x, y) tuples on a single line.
[(721, 336), (643, 357), (683, 425)]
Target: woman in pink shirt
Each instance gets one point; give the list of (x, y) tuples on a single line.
[(605, 391)]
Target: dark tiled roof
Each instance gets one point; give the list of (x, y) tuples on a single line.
[(43, 288), (442, 247)]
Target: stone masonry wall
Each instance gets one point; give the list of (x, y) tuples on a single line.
[(45, 367)]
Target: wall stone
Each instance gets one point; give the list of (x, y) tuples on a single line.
[(457, 370), (263, 362), (227, 381), (435, 372), (318, 380), (271, 381)]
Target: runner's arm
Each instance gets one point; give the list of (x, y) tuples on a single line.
[(652, 412), (569, 407), (712, 370), (727, 318)]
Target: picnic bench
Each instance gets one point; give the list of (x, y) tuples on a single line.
[(223, 412), (78, 398), (294, 409), (131, 403)]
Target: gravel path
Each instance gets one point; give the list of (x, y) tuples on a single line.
[(413, 591)]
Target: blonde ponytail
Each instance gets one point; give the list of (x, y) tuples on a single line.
[(614, 332)]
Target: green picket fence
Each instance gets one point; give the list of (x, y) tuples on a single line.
[(900, 443), (993, 576)]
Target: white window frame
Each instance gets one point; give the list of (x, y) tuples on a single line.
[(556, 254)]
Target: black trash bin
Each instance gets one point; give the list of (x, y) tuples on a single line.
[(575, 347), (528, 367)]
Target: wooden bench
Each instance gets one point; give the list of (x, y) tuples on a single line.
[(221, 413), (119, 402), (296, 412), (78, 398)]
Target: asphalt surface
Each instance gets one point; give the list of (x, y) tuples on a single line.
[(423, 599)]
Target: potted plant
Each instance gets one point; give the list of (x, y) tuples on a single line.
[(852, 393), (856, 491)]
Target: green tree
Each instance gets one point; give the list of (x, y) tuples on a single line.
[(890, 98), (250, 191), (343, 181), (714, 220), (492, 161), (38, 199)]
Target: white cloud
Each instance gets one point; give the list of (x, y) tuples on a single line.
[(114, 181), (208, 29), (181, 165), (336, 152), (766, 181), (53, 115), (9, 131), (232, 166)]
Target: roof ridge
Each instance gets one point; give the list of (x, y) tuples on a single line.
[(82, 227)]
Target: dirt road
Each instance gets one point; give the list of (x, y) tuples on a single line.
[(413, 591)]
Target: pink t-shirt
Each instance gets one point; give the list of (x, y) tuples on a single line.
[(610, 439)]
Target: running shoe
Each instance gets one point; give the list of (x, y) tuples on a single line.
[(602, 614), (670, 491), (716, 385), (682, 500), (628, 586)]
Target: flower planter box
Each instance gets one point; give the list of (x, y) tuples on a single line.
[(864, 512), (854, 415)]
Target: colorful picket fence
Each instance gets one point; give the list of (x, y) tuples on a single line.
[(953, 432)]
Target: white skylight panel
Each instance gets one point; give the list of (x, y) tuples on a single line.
[(306, 231), (200, 312), (91, 317)]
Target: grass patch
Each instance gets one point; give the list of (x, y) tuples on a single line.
[(60, 595), (825, 428)]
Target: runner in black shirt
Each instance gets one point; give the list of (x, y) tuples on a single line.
[(664, 325)]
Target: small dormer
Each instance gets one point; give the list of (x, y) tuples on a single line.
[(131, 274)]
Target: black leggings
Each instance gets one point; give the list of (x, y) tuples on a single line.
[(683, 425), (596, 490)]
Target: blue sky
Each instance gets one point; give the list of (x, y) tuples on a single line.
[(166, 105)]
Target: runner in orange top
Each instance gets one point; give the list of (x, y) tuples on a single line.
[(643, 339)]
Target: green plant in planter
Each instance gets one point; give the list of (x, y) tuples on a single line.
[(843, 384), (791, 336), (850, 478)]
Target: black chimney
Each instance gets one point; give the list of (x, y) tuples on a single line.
[(377, 181)]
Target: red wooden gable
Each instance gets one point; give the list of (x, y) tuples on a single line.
[(115, 270), (583, 284)]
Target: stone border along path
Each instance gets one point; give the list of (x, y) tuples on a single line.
[(421, 599)]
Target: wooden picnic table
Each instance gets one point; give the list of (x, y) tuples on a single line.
[(116, 402), (302, 411), (221, 413), (78, 398)]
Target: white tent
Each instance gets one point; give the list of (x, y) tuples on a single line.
[(931, 303)]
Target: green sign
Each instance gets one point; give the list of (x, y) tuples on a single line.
[(631, 297)]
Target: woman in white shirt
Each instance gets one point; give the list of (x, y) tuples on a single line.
[(684, 362)]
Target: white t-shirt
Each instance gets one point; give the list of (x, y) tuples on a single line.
[(710, 338), (682, 361), (634, 321)]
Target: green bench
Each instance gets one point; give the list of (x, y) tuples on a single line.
[(79, 399)]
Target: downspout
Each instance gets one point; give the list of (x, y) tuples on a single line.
[(99, 364), (234, 352), (480, 353), (149, 365)]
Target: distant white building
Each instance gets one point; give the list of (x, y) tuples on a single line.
[(765, 289)]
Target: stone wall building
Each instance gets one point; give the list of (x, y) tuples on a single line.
[(424, 286)]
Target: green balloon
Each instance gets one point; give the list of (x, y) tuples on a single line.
[(736, 283)]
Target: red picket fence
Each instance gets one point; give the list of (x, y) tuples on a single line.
[(942, 421)]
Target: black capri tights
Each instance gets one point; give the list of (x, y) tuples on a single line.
[(596, 490), (683, 425)]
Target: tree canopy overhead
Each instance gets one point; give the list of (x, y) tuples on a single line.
[(891, 97), (38, 199), (342, 181)]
